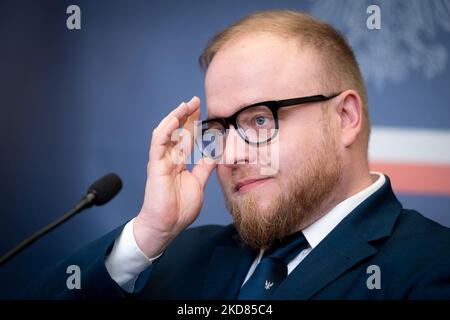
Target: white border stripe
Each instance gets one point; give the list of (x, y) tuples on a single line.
[(393, 144)]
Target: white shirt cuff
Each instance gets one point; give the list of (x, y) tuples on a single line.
[(127, 261)]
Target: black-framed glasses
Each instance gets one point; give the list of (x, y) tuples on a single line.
[(256, 124)]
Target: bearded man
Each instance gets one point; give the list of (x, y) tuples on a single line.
[(317, 225)]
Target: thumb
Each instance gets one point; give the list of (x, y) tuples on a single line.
[(203, 169)]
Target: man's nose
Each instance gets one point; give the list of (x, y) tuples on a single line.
[(236, 150)]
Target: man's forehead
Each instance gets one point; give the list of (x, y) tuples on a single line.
[(223, 111), (247, 72)]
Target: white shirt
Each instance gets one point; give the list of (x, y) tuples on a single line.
[(126, 261)]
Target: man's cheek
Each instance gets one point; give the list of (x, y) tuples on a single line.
[(269, 158)]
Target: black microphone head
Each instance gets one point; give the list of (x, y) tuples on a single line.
[(105, 188)]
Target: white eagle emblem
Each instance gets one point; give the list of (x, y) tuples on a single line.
[(268, 285)]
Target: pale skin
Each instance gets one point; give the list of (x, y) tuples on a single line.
[(246, 70)]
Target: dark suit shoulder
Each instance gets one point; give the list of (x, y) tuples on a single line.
[(414, 225), (413, 254), (426, 250)]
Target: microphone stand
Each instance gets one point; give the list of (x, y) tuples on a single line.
[(86, 202)]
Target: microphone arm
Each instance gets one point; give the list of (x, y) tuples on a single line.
[(84, 203), (99, 193)]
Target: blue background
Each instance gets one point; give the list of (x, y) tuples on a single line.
[(75, 105)]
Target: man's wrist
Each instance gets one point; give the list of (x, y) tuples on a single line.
[(126, 260), (151, 242)]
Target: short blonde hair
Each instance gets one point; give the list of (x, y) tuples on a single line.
[(338, 59)]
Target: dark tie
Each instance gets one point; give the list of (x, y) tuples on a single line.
[(272, 269)]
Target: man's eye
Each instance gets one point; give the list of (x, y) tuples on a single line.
[(260, 120)]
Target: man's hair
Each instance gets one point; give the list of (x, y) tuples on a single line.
[(340, 66)]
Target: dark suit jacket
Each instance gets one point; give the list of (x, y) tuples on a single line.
[(412, 252)]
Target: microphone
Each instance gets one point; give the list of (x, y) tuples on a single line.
[(99, 193)]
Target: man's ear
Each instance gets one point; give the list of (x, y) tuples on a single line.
[(350, 112)]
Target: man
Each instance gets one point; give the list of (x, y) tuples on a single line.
[(318, 226)]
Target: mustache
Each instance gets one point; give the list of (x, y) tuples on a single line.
[(248, 173)]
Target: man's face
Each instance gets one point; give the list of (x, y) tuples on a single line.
[(257, 68)]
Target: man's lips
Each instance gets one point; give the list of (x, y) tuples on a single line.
[(248, 184)]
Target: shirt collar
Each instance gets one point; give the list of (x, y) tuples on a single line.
[(317, 231)]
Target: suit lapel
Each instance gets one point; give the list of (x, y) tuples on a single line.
[(325, 263), (348, 244), (226, 271)]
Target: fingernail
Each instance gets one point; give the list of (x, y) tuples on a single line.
[(192, 100)]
